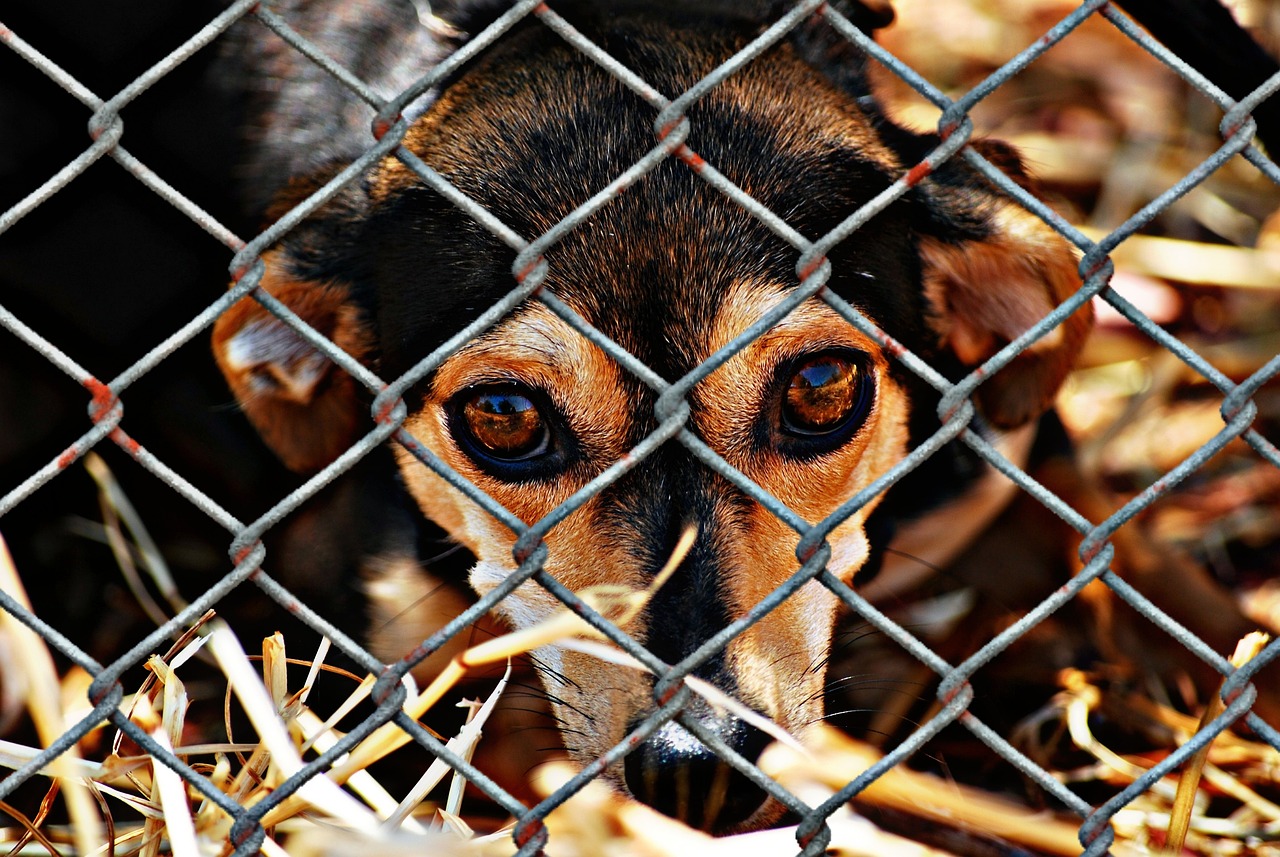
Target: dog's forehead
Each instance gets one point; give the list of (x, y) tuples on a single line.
[(538, 129)]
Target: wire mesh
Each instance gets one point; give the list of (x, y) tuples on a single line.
[(106, 408)]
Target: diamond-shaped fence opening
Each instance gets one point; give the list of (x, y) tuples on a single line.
[(969, 671)]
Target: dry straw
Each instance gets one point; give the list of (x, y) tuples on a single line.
[(131, 804)]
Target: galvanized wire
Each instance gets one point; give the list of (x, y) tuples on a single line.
[(672, 129)]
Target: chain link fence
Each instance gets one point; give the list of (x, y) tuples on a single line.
[(107, 399)]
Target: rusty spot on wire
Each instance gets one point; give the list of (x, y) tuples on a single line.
[(918, 173)]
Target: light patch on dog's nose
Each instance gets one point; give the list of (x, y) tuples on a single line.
[(677, 740)]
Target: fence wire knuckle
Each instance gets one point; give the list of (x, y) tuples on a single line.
[(671, 425)]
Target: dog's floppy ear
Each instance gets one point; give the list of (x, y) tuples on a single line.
[(991, 270), (307, 409)]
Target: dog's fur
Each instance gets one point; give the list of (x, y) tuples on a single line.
[(671, 270)]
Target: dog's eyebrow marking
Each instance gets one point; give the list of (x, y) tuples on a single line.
[(538, 349), (535, 346), (809, 327), (732, 400), (520, 350)]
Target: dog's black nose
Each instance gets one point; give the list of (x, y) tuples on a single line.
[(677, 775)]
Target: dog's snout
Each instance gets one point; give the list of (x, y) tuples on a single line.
[(676, 774)]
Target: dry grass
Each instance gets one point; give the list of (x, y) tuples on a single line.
[(127, 803)]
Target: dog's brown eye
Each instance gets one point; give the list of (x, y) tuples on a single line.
[(822, 396), (505, 424)]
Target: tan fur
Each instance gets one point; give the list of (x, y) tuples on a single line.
[(537, 348), (778, 661)]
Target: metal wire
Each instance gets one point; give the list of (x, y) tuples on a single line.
[(672, 128)]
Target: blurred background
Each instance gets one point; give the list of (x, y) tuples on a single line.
[(1107, 128)]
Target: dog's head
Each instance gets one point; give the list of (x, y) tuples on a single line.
[(812, 410)]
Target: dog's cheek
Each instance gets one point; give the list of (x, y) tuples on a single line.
[(776, 663), (780, 664), (849, 549), (596, 707), (593, 700), (407, 605), (799, 632), (525, 607), (462, 519), (575, 554)]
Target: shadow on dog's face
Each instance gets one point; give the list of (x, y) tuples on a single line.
[(530, 411)]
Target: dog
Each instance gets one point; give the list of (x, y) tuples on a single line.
[(529, 411)]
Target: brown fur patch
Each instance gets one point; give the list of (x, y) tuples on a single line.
[(537, 349)]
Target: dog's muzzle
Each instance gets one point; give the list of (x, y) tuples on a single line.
[(676, 774)]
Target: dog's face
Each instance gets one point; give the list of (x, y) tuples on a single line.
[(672, 270)]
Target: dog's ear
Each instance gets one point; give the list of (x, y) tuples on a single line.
[(306, 408), (991, 270)]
